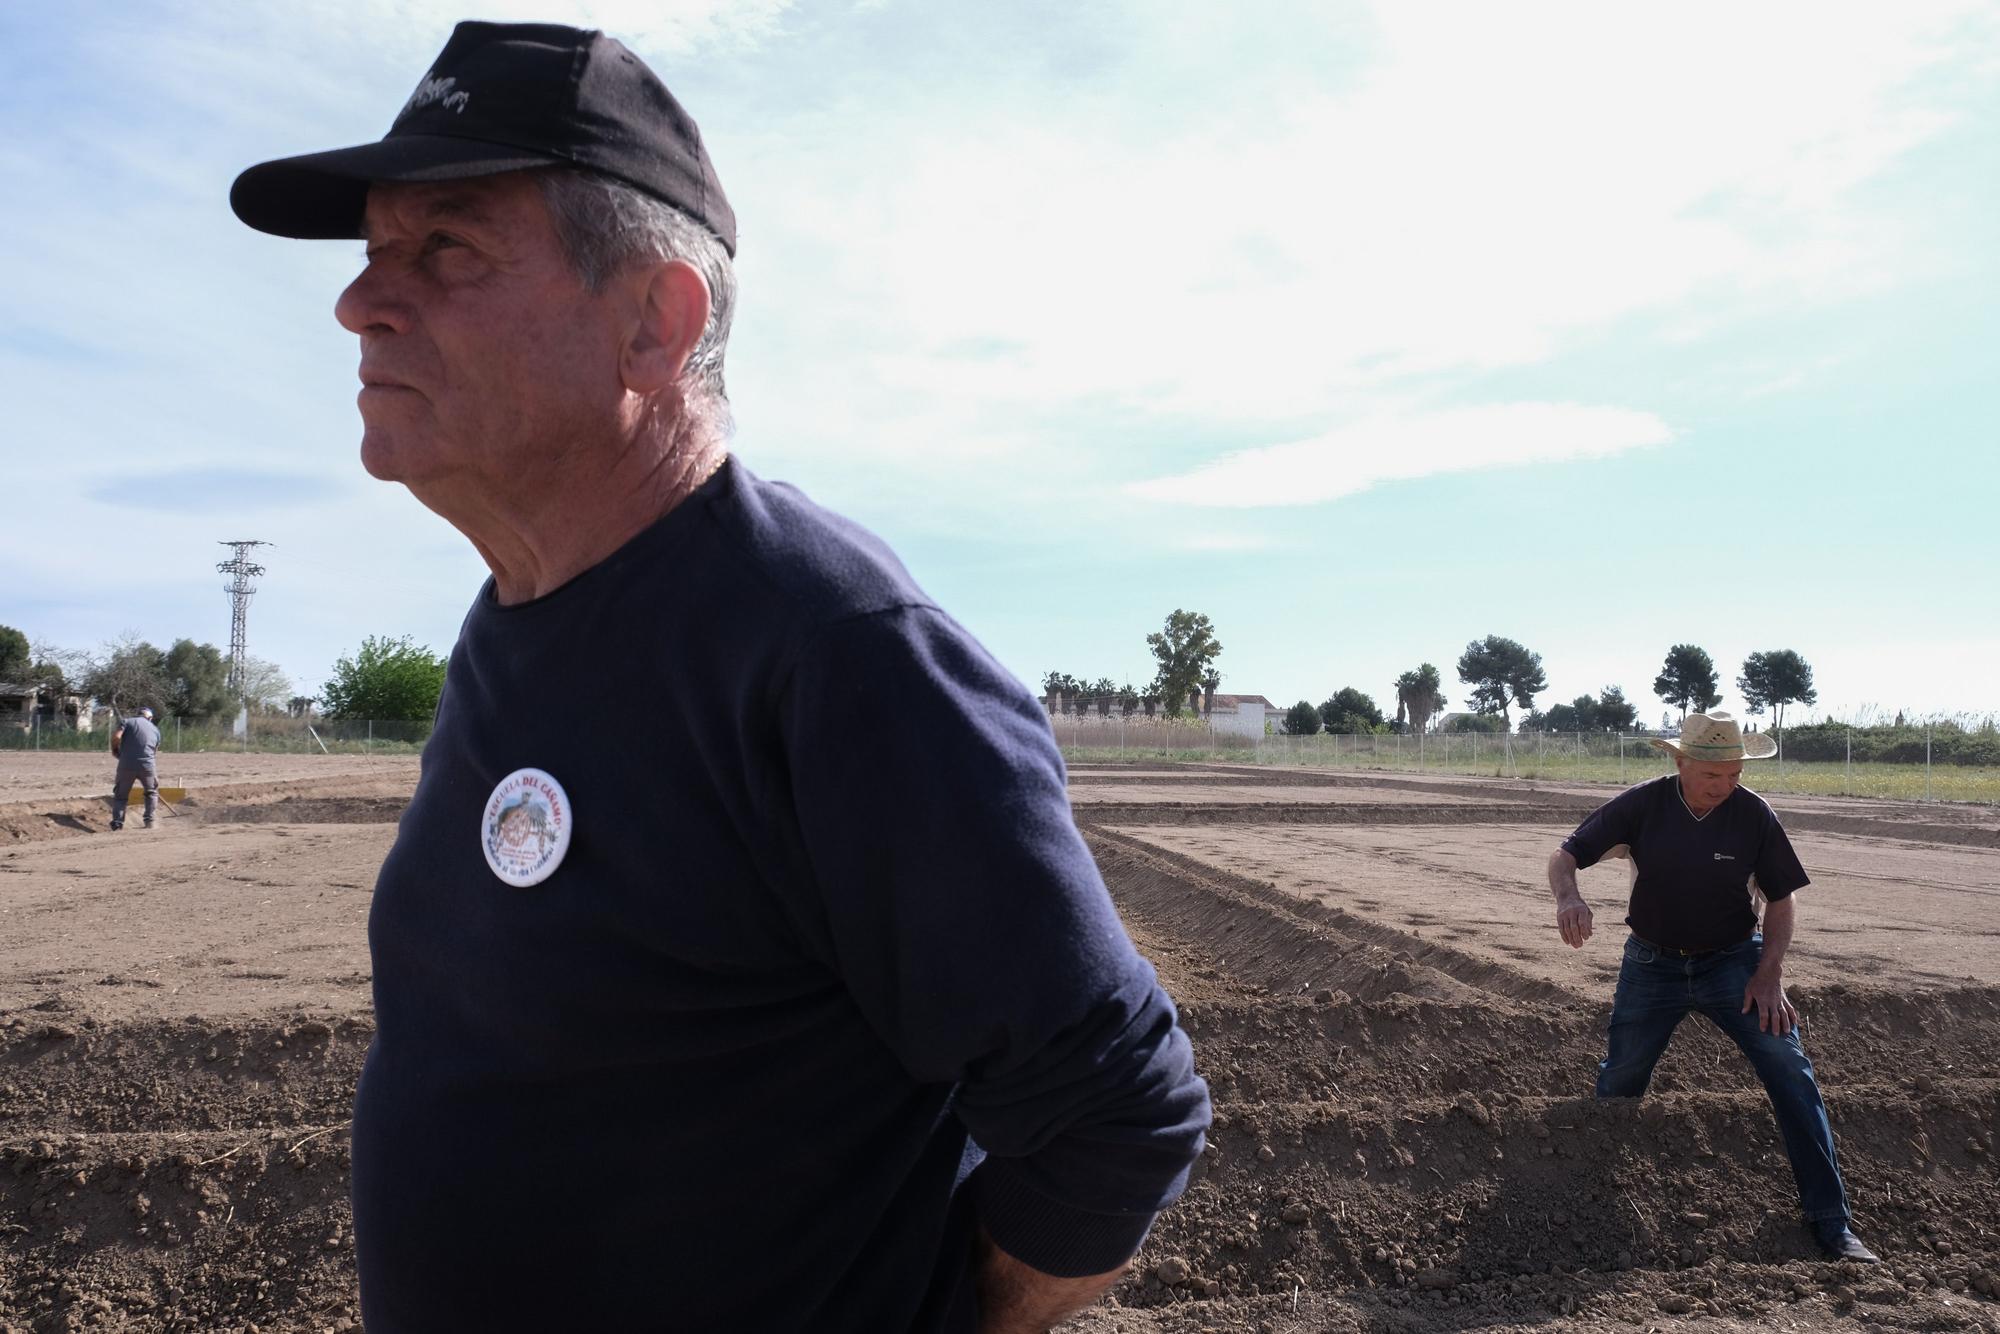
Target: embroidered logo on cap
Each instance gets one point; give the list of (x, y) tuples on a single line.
[(526, 829), (435, 89)]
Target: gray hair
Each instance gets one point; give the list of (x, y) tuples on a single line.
[(605, 225)]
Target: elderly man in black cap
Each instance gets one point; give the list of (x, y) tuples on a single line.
[(1703, 850), (794, 1002)]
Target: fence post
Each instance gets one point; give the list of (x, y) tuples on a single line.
[(177, 732), (1847, 770), (1927, 761), (1621, 759), (1579, 757)]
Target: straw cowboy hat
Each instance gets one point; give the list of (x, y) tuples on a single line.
[(1716, 738)]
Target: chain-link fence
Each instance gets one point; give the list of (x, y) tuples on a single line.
[(264, 732), (1916, 769), (1568, 757)]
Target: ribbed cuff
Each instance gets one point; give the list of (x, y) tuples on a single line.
[(1056, 1238)]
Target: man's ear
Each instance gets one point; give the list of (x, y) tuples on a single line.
[(672, 311)]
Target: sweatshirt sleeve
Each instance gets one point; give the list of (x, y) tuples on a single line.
[(968, 921)]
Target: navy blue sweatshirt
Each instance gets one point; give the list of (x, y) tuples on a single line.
[(823, 978)]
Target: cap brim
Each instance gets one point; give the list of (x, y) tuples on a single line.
[(320, 196)]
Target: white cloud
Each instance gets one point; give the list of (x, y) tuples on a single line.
[(1495, 184), (1353, 458)]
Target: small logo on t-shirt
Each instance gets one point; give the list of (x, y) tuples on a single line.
[(526, 828), (1724, 857)]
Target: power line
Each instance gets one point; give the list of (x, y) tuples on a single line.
[(241, 571)]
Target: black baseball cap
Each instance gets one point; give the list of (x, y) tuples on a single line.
[(504, 97)]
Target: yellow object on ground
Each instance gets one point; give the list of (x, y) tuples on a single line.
[(137, 796)]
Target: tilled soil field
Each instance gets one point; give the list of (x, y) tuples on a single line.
[(1400, 1049), (1402, 1054)]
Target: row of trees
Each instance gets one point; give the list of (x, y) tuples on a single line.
[(185, 679), (1503, 673), (389, 679), (1184, 680)]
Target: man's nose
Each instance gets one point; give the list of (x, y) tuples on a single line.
[(370, 304)]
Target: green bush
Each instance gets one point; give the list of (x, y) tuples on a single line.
[(1950, 742)]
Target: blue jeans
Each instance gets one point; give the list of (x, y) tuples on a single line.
[(1656, 988)]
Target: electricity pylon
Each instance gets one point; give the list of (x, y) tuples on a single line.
[(241, 572)]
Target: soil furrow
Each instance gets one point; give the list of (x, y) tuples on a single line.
[(1290, 945)]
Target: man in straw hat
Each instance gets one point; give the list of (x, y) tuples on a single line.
[(800, 1007), (1702, 847)]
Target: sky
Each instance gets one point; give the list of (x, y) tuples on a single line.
[(1367, 330)]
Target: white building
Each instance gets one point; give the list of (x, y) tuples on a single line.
[(1245, 715)]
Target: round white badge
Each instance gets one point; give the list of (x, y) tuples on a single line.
[(525, 831)]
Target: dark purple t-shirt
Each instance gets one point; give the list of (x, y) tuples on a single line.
[(1692, 890)]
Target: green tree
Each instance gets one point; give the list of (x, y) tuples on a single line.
[(1302, 719), (1609, 712), (131, 673), (195, 678), (14, 654), (1579, 715), (1061, 688), (1615, 713), (1501, 671), (1350, 711), (49, 676), (1419, 696), (1186, 649), (1773, 680), (1687, 680), (390, 679), (1474, 722)]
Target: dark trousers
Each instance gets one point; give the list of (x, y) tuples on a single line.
[(1657, 988), (147, 776)]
